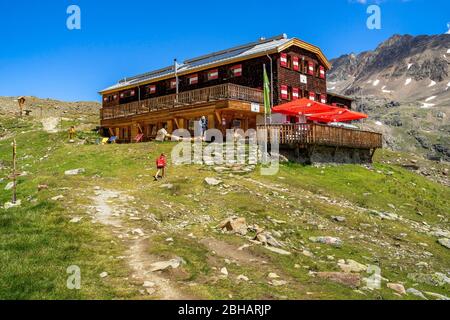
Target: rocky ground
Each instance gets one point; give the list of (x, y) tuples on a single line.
[(214, 232)]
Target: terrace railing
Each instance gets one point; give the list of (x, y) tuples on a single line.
[(226, 91), (317, 134)]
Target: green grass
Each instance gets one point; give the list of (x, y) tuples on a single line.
[(37, 242)]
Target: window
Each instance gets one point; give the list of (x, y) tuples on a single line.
[(295, 93), (311, 68), (284, 60), (312, 96), (193, 79), (295, 63), (213, 74), (323, 98), (236, 70), (284, 92), (173, 83), (322, 72), (151, 89), (128, 93)]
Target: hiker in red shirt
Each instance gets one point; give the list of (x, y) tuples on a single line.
[(161, 166)]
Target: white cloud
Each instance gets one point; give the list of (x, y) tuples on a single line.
[(448, 26)]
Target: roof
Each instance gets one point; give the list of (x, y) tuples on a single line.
[(235, 54), (334, 94)]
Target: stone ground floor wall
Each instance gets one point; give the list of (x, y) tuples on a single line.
[(325, 154)]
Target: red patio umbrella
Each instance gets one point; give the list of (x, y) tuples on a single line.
[(338, 115), (303, 107)]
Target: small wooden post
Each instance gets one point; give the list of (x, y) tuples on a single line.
[(14, 197)]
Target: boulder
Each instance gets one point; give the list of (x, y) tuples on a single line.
[(445, 242), (237, 225), (74, 172), (416, 293), (351, 266), (352, 280), (338, 218), (213, 181), (397, 287), (164, 265), (335, 242)]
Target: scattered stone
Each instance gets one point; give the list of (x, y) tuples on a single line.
[(169, 240), (397, 287), (335, 242), (351, 266), (338, 218), (437, 296), (278, 250), (167, 186), (224, 271), (242, 278), (164, 265), (273, 275), (416, 293), (437, 279), (74, 172), (42, 187), (57, 198), (103, 274), (307, 253), (76, 220), (9, 186), (9, 205), (352, 280), (150, 291), (385, 215), (149, 284), (237, 225), (138, 232), (278, 283), (213, 181), (445, 242)]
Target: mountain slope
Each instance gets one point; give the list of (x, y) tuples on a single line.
[(114, 222), (404, 85)]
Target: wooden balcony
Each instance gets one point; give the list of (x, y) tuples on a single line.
[(316, 134), (187, 98)]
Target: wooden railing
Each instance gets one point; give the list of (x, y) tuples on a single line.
[(226, 91), (317, 134)]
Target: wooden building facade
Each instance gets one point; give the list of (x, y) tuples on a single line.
[(226, 87)]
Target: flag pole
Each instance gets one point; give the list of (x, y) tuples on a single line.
[(176, 79)]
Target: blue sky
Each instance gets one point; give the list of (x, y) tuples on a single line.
[(40, 56)]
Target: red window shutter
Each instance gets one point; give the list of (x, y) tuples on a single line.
[(213, 74), (173, 83), (193, 79), (312, 96), (237, 70), (323, 98), (295, 93), (322, 72), (152, 89), (311, 68), (295, 64), (284, 92), (283, 60)]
